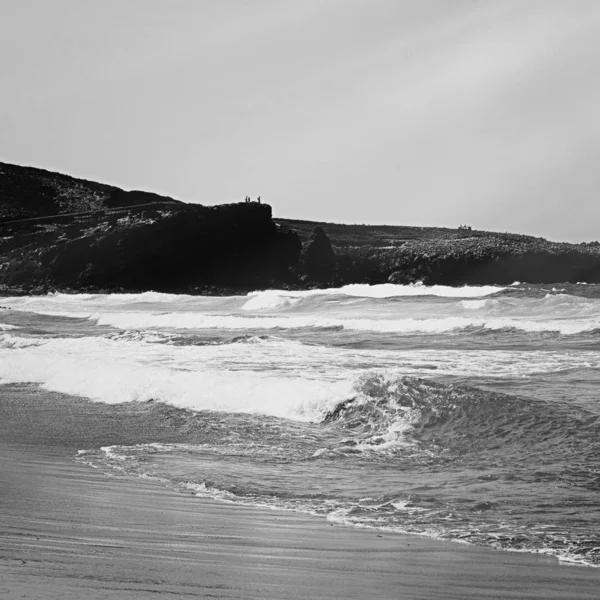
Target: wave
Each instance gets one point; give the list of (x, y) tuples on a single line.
[(245, 373), (258, 300), (61, 298), (188, 320), (447, 461), (351, 308), (115, 371), (549, 302), (270, 299), (474, 304), (302, 382), (390, 290), (78, 305), (389, 411), (470, 519)]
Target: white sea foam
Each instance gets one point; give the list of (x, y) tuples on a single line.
[(279, 298), (390, 290), (113, 372), (150, 297), (455, 309), (270, 299), (407, 506), (555, 326), (12, 341), (82, 304), (473, 304), (272, 377), (180, 320)]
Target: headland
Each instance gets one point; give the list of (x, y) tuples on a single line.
[(59, 233)]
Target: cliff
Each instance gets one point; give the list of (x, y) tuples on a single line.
[(106, 239), (62, 233), (433, 255)]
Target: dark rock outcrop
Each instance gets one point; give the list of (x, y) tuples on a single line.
[(482, 260), (58, 232), (403, 254), (134, 241), (235, 246), (317, 261)]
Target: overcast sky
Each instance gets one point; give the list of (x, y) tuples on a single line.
[(417, 112)]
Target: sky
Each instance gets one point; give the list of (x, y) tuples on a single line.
[(405, 112)]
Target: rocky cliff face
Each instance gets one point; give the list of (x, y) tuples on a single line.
[(403, 254), (481, 260), (132, 241), (317, 260), (189, 249), (136, 241)]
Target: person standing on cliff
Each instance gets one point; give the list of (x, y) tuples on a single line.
[(258, 199)]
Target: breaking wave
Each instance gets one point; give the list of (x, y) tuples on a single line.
[(179, 320), (425, 435), (247, 373), (125, 370), (384, 308), (253, 300), (388, 410), (269, 299)]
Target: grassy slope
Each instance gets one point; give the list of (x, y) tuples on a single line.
[(342, 235)]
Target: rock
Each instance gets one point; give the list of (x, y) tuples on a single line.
[(317, 260), (228, 247), (398, 277)]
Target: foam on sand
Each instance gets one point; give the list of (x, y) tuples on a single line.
[(54, 498)]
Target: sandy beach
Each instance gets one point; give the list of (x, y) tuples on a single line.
[(70, 531)]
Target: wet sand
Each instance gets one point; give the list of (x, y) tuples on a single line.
[(70, 531)]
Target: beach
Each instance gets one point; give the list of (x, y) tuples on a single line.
[(300, 300), (72, 531)]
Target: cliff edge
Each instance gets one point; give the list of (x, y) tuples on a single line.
[(71, 234)]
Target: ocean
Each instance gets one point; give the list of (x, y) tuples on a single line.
[(469, 414)]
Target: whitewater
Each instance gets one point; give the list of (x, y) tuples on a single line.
[(463, 413)]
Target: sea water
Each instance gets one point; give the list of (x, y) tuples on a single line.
[(470, 414)]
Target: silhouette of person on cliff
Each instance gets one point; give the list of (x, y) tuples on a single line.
[(258, 199)]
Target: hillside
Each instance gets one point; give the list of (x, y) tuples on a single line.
[(344, 235), (29, 192), (63, 233)]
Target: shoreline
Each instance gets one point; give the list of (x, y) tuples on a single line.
[(70, 531)]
